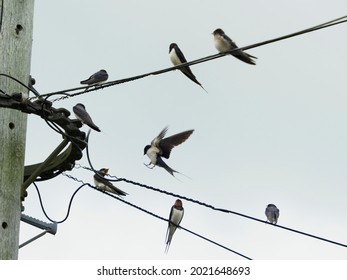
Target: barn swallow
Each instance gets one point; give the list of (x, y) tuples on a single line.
[(96, 78), (175, 218), (272, 213), (224, 44), (161, 147), (102, 184), (178, 58), (81, 114)]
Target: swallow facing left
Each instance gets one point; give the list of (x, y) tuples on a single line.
[(102, 184), (224, 44), (161, 147), (175, 218), (96, 78), (178, 58), (272, 213), (81, 114)]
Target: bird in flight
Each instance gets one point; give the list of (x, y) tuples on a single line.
[(161, 147)]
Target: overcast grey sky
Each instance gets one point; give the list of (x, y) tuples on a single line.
[(270, 133)]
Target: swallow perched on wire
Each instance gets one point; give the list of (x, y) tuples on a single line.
[(96, 78), (224, 44), (272, 213), (161, 147), (102, 184), (80, 112), (177, 58), (175, 218)]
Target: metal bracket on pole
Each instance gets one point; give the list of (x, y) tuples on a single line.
[(47, 227)]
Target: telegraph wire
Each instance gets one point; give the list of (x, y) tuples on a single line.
[(116, 82), (91, 168), (193, 62), (330, 23), (217, 208), (308, 30), (229, 211), (215, 243), (128, 203), (179, 226), (117, 179), (53, 126)]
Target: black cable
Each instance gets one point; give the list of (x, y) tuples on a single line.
[(229, 211), (216, 208), (69, 207), (19, 82), (56, 128), (164, 219), (22, 84), (4, 93), (215, 243), (201, 203), (311, 29), (51, 124), (325, 25), (156, 216), (89, 161), (197, 61)]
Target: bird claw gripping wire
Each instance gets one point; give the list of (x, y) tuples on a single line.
[(56, 119)]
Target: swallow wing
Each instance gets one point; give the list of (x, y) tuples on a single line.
[(97, 77), (170, 142), (155, 142), (176, 216), (90, 80), (268, 213), (180, 55), (185, 70), (277, 213), (100, 76), (230, 42), (109, 185), (83, 115), (243, 56)]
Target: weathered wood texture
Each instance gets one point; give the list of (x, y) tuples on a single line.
[(15, 54)]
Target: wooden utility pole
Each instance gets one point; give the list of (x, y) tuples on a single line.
[(16, 23)]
